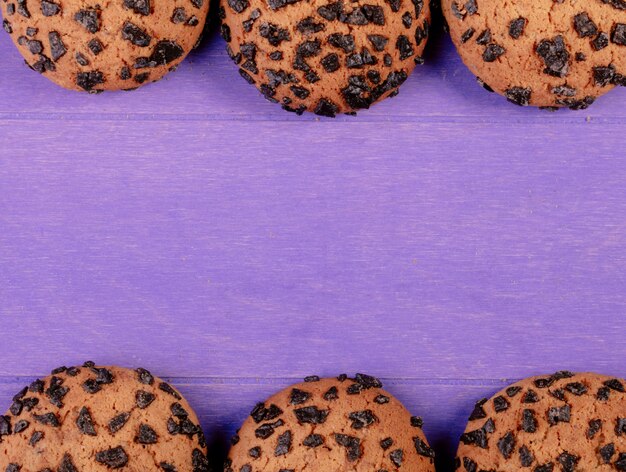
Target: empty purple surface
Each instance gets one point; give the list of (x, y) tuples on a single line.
[(445, 240)]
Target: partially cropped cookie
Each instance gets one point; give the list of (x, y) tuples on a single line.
[(325, 56), (335, 425), (97, 45), (564, 422), (93, 418), (546, 53)]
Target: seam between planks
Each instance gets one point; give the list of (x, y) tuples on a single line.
[(207, 380), (365, 118)]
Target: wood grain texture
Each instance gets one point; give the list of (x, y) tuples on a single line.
[(444, 240)]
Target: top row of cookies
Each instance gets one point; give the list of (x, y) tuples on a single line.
[(330, 56)]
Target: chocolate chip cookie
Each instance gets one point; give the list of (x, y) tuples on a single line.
[(92, 418), (105, 44), (563, 422), (546, 53), (340, 424), (325, 56)]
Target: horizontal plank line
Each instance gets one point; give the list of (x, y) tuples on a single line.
[(206, 380), (287, 117)]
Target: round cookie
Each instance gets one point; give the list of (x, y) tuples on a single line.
[(564, 422), (325, 56), (97, 45), (546, 53), (331, 425), (101, 418)]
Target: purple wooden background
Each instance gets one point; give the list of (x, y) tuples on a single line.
[(445, 240)]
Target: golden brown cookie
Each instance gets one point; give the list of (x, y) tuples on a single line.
[(331, 425), (564, 422), (99, 418), (325, 56), (97, 45), (547, 53)]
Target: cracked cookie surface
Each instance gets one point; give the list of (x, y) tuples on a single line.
[(105, 44), (333, 425), (325, 56), (563, 422), (546, 53), (92, 418)]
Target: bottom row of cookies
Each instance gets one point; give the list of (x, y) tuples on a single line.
[(92, 418)]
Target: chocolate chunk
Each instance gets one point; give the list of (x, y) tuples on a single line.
[(492, 52), (67, 465), (298, 396), (516, 28), (283, 444), (576, 388), (35, 437), (513, 391), (238, 5), (311, 415), (85, 422), (556, 58), (396, 457), (91, 385), (89, 19), (352, 445), (529, 422), (530, 397), (404, 47), (500, 404), (606, 452), (260, 413), (559, 415), (87, 81), (114, 458), (479, 437), (332, 393), (386, 443), (146, 435), (326, 108), (362, 419), (313, 440), (49, 8), (57, 48), (199, 461), (36, 387), (594, 427), (255, 452), (584, 26), (135, 35), (141, 7), (166, 51), (20, 426), (618, 36), (143, 399), (167, 388), (274, 34), (620, 426), (568, 461), (423, 449), (95, 46), (5, 426), (506, 445), (118, 422), (478, 412), (49, 419), (615, 384), (526, 457)]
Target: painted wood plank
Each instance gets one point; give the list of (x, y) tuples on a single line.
[(486, 254), (208, 86)]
